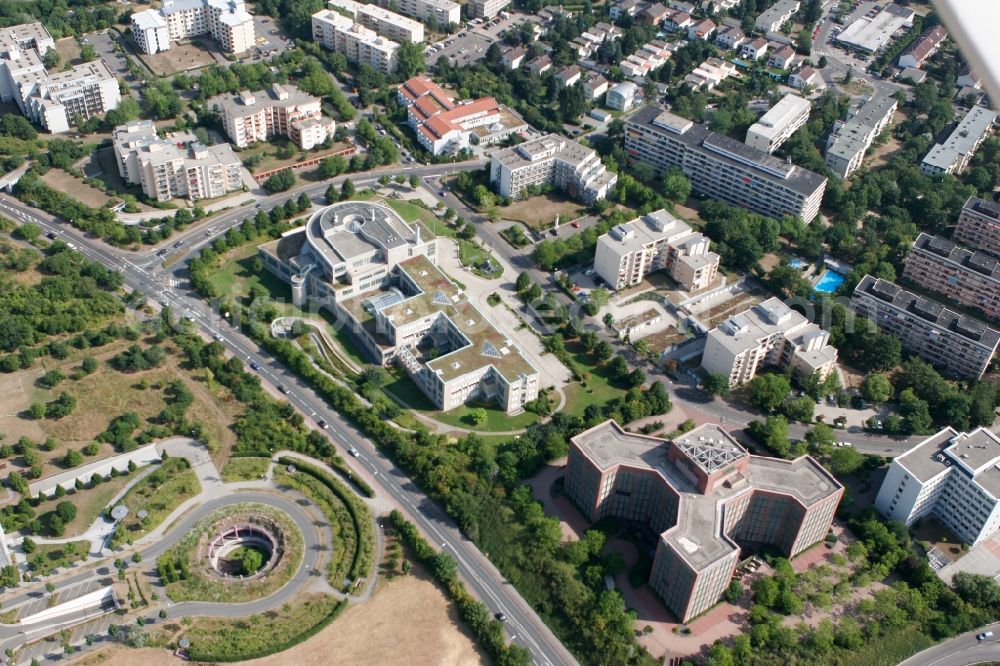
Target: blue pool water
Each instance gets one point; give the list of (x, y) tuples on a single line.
[(796, 263), (829, 281)]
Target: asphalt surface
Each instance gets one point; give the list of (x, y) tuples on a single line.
[(143, 272), (960, 651)]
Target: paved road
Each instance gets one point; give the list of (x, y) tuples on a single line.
[(960, 651), (484, 580)]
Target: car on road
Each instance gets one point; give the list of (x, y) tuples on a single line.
[(254, 365), (441, 193), (984, 636), (501, 617), (178, 243), (589, 272), (282, 389), (50, 236), (354, 452), (575, 225), (322, 424), (217, 338), (160, 253)]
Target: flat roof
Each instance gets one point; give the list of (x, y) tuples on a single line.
[(963, 139), (853, 135), (698, 535), (744, 331), (778, 117), (983, 263), (350, 229), (871, 34)]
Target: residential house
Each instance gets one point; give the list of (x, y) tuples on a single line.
[(679, 21), (654, 14), (513, 57), (782, 58), (701, 30), (730, 38), (754, 50), (594, 85), (621, 97), (540, 65), (569, 76), (923, 48), (805, 76)]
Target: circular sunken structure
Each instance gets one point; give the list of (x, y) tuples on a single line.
[(233, 539)]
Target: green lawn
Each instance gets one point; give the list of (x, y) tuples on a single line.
[(471, 256), (89, 503), (245, 469), (158, 494), (412, 212), (55, 555), (890, 649), (598, 389)]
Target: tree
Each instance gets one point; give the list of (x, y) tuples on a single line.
[(304, 202), (822, 62), (675, 186), (66, 511), (800, 409), (772, 433), (410, 59), (331, 195), (51, 59), (523, 282), (88, 53), (478, 416), (52, 378), (252, 560), (73, 458), (976, 589), (768, 392), (88, 365), (821, 436), (716, 384), (37, 410), (347, 189), (415, 181), (876, 388), (279, 182), (845, 460)]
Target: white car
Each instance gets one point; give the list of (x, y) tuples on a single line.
[(354, 452), (985, 635)]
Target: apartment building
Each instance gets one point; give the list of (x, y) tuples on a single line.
[(705, 497), (769, 333), (227, 21), (177, 166), (779, 123), (486, 9), (721, 167), (923, 48), (851, 139), (954, 154), (387, 24), (444, 126), (621, 96), (775, 16), (967, 277), (961, 345), (979, 225), (357, 43), (441, 13), (374, 271), (952, 475), (653, 242), (551, 160), (281, 110), (51, 100)]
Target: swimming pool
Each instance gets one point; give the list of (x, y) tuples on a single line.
[(829, 281), (797, 263)]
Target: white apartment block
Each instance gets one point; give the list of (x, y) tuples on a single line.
[(952, 475), (555, 160), (851, 139), (227, 21), (357, 43), (722, 167), (954, 154), (486, 9), (653, 242), (775, 16), (770, 333), (621, 96), (396, 27), (979, 225), (53, 100), (779, 123), (960, 345), (166, 171), (150, 31), (377, 274), (441, 12), (967, 277), (281, 110)]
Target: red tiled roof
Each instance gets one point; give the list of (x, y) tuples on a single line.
[(927, 43)]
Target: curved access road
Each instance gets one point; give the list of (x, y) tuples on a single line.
[(962, 650)]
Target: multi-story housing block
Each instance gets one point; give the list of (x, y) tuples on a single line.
[(281, 110), (705, 497), (769, 333), (979, 225), (551, 160), (357, 43), (970, 278), (166, 171), (227, 21), (721, 167), (775, 16), (386, 23), (441, 13), (486, 9), (656, 241), (779, 123), (954, 154), (961, 345), (847, 144), (377, 274), (952, 475)]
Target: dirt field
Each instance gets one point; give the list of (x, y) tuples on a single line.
[(179, 57), (409, 622), (82, 192), (882, 154), (69, 50), (539, 212)]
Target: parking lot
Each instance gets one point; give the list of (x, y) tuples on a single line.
[(464, 48), (270, 40), (104, 43)]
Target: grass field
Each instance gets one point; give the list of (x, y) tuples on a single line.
[(245, 469), (158, 494), (598, 389), (473, 256), (412, 212), (89, 503), (56, 555)]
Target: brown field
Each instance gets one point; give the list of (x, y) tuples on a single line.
[(539, 212), (408, 621), (82, 192), (69, 49), (106, 394), (179, 57)]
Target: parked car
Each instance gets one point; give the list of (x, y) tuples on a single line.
[(984, 636)]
